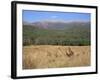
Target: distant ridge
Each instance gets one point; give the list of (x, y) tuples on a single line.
[(54, 24)]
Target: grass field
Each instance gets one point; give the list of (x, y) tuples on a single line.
[(52, 56)]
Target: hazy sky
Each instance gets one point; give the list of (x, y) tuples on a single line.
[(33, 16)]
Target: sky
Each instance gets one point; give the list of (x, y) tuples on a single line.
[(34, 16)]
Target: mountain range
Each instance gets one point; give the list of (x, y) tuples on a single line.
[(59, 25)]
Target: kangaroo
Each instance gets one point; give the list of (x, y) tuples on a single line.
[(69, 53)]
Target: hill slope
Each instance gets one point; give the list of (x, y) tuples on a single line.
[(56, 33)]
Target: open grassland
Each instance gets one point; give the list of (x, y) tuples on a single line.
[(50, 56)]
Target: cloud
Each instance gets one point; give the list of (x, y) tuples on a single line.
[(54, 16)]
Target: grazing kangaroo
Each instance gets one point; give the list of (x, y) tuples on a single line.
[(70, 52)]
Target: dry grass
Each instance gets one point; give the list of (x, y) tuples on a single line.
[(49, 56)]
